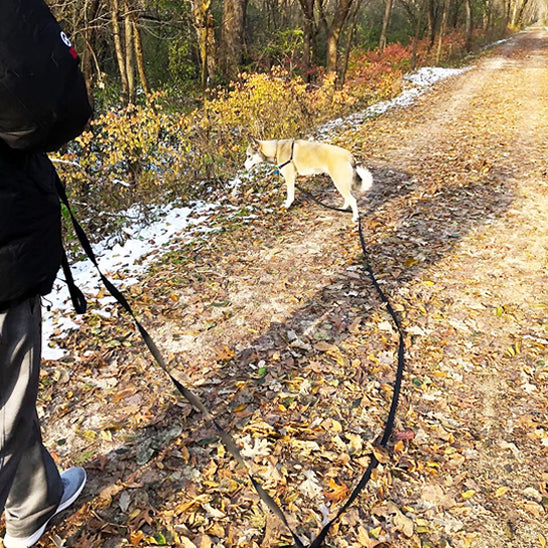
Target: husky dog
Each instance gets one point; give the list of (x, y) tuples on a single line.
[(297, 157)]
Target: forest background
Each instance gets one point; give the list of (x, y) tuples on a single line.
[(179, 86)]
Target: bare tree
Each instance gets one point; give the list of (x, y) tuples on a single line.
[(385, 20), (129, 53), (443, 27), (139, 53), (418, 25), (205, 32), (232, 37), (352, 23), (310, 31), (468, 24), (123, 31), (518, 10), (334, 35), (118, 48), (333, 24), (128, 47)]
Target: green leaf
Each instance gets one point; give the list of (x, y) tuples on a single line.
[(160, 539)]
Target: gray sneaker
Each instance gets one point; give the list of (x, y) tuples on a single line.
[(73, 480)]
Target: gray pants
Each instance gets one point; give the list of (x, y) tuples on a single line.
[(30, 486)]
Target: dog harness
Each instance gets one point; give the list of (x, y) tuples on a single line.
[(281, 166)]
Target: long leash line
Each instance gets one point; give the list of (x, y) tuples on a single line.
[(80, 306), (389, 424), (231, 446)]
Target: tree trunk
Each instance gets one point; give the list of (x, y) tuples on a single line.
[(517, 17), (416, 37), (211, 47), (353, 21), (115, 14), (204, 26), (432, 16), (139, 55), (334, 34), (307, 7), (323, 26), (129, 60), (332, 47), (232, 37), (442, 28), (468, 25), (89, 59), (507, 14), (385, 21)]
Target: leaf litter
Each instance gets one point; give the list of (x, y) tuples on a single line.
[(274, 324)]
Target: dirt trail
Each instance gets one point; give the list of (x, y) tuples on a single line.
[(485, 133), (274, 321)]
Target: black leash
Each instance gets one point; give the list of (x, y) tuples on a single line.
[(389, 424), (196, 402)]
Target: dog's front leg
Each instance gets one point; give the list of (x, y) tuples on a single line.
[(289, 174)]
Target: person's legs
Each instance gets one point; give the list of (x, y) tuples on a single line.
[(30, 485)]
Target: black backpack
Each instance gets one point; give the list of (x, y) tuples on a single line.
[(43, 98)]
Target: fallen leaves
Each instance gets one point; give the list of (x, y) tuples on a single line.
[(279, 331), (310, 487), (434, 496), (501, 491), (394, 518), (337, 493)]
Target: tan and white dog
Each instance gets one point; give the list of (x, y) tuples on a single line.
[(297, 157)]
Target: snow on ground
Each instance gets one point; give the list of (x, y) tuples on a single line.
[(129, 259), (146, 241), (415, 85)]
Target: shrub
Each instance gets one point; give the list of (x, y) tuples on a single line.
[(129, 155), (376, 75), (269, 105)]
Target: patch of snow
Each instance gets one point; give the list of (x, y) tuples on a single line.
[(497, 43), (415, 85), (130, 259)]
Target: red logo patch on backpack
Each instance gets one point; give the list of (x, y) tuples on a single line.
[(68, 43)]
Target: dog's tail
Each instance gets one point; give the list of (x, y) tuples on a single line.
[(364, 175)]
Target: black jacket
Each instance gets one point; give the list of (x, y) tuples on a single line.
[(43, 104), (30, 225), (43, 99)]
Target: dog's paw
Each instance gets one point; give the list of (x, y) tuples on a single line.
[(287, 204)]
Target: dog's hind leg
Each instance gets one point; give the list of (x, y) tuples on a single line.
[(351, 201), (345, 191)]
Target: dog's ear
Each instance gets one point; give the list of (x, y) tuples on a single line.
[(254, 142)]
